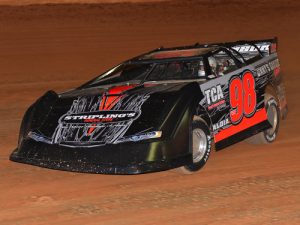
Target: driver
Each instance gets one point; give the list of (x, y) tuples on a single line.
[(201, 71), (213, 65)]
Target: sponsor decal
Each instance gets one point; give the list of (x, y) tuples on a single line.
[(262, 70), (99, 120), (214, 97), (220, 124), (268, 67), (209, 140), (99, 117), (250, 48)]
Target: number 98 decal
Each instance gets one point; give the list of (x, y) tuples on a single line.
[(242, 97)]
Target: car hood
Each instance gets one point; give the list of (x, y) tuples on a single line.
[(112, 114)]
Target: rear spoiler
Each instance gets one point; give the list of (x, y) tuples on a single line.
[(264, 47)]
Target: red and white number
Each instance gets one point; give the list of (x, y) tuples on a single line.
[(242, 97)]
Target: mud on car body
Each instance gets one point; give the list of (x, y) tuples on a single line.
[(160, 110)]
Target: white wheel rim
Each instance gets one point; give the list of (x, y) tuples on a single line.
[(272, 118), (199, 144)]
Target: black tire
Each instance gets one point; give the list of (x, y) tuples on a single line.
[(269, 135), (200, 137)]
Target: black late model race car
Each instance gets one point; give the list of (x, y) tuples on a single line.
[(161, 110)]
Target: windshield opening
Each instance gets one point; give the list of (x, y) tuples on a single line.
[(141, 72), (177, 71)]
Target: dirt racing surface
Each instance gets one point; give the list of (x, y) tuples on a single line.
[(59, 47), (32, 2)]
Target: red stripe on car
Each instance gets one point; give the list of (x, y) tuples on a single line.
[(110, 99), (258, 117)]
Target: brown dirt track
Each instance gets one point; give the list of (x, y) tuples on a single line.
[(61, 46)]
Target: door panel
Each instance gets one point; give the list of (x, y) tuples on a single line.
[(235, 104)]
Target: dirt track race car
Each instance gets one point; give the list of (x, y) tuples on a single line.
[(161, 110)]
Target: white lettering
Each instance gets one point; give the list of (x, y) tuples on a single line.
[(220, 92), (207, 93)]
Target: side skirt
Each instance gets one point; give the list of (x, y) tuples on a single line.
[(242, 135)]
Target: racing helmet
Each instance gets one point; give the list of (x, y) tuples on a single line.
[(201, 71), (213, 64)]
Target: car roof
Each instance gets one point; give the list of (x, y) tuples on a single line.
[(192, 51), (176, 53)]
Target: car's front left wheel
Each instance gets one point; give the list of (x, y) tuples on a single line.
[(201, 146)]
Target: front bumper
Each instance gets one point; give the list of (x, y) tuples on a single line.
[(125, 158)]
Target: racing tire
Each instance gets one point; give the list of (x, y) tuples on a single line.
[(201, 147), (273, 113)]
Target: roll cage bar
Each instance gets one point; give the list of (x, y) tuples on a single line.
[(224, 45)]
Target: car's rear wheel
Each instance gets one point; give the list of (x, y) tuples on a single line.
[(201, 146), (273, 114)]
